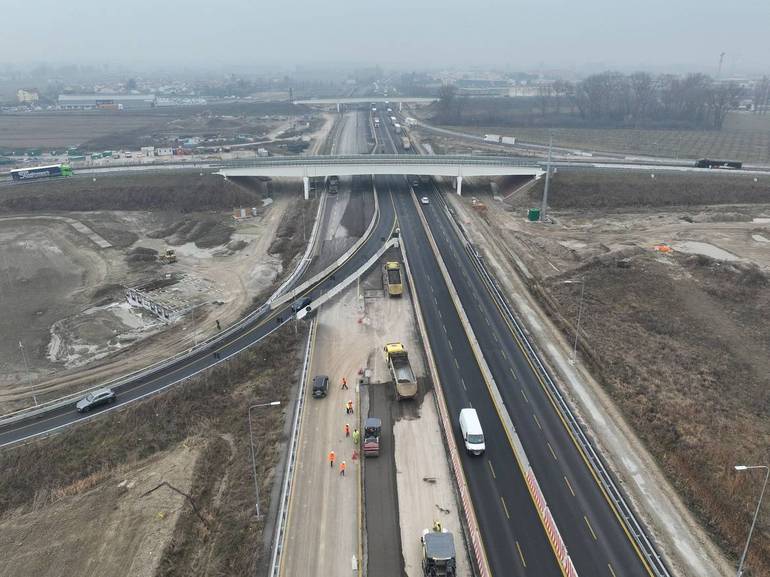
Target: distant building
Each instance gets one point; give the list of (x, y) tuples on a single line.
[(106, 101), (27, 95)]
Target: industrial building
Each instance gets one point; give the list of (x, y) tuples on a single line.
[(27, 95), (106, 101)]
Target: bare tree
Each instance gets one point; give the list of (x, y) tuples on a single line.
[(446, 101)]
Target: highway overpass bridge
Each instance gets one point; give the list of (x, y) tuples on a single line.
[(339, 102), (307, 167)]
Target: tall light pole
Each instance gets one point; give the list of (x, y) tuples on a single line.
[(582, 284), (756, 513), (26, 366), (544, 206), (253, 458)]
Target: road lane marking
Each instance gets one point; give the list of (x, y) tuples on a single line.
[(505, 507), (611, 570), (462, 382), (569, 486), (492, 469), (523, 394), (518, 548), (450, 345), (550, 448), (589, 527), (539, 426), (456, 365), (513, 374)]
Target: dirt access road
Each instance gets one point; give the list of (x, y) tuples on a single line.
[(63, 294)]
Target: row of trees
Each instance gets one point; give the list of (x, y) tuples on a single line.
[(609, 99)]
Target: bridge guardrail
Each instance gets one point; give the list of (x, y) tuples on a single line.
[(377, 160)]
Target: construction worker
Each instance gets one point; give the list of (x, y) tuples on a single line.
[(356, 436), (219, 327), (437, 526), (347, 430), (349, 408), (342, 468), (331, 459), (344, 384)]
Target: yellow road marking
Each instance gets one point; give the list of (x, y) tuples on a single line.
[(518, 547), (569, 486), (550, 448), (505, 507), (589, 527), (492, 469)]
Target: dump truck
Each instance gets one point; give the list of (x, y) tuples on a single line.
[(393, 279), (438, 553), (372, 433), (401, 371), (168, 257)]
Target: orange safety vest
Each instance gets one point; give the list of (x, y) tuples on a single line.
[(331, 456), (342, 466)]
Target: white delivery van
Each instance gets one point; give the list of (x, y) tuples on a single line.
[(473, 436)]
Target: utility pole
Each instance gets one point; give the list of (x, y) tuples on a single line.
[(26, 366), (544, 206), (253, 458)]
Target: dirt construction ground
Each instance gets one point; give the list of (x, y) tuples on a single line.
[(64, 273), (674, 321), (102, 525)]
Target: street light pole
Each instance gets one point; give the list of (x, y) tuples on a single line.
[(580, 314), (756, 513), (253, 458)]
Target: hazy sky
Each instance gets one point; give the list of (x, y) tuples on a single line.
[(520, 34)]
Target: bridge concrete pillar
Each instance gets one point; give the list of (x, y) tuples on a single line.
[(306, 183), (459, 185), (400, 106), (339, 107)]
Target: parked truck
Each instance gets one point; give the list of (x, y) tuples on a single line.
[(406, 143), (401, 371), (438, 553), (393, 279)]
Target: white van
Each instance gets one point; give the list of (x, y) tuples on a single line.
[(473, 436)]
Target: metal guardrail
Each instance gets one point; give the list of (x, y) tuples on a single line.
[(377, 160), (291, 461), (626, 515)]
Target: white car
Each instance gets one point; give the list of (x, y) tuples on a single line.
[(425, 200)]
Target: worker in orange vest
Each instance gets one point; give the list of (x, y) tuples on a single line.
[(344, 384), (331, 459), (342, 469)]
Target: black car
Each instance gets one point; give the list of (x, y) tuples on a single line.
[(320, 386), (95, 399), (300, 304)]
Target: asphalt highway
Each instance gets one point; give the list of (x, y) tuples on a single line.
[(513, 535), (594, 537)]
